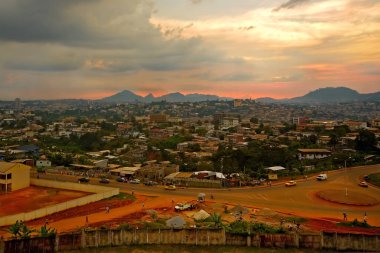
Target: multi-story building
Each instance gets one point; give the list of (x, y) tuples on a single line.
[(14, 176)]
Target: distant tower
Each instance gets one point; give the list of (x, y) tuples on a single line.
[(17, 104)]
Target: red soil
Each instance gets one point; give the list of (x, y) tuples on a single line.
[(332, 226), (91, 208), (35, 197)]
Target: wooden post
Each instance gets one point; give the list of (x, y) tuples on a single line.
[(109, 237), (224, 236), (363, 242), (196, 236), (56, 243), (82, 239), (322, 241), (249, 241)]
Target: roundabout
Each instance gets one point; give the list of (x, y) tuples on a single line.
[(350, 198)]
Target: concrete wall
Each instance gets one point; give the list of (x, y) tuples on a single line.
[(20, 176), (206, 237), (101, 192)]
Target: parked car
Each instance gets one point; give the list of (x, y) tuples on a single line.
[(120, 179), (291, 183), (184, 207), (104, 181), (255, 182), (366, 177), (134, 181), (322, 177), (363, 184), (150, 183), (84, 180), (170, 187)]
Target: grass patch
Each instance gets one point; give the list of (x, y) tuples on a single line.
[(123, 196), (374, 179), (355, 223), (295, 219), (245, 227), (159, 223)]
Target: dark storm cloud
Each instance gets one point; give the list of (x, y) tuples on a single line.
[(38, 20), (105, 35), (90, 24), (290, 4)]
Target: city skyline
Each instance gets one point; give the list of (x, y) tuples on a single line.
[(241, 49)]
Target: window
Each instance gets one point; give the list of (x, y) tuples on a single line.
[(9, 175), (2, 176)]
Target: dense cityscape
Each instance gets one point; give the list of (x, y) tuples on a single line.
[(189, 126)]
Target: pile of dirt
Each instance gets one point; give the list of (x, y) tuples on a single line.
[(331, 226)]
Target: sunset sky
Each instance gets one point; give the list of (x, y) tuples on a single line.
[(238, 48)]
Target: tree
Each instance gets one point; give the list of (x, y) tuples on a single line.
[(20, 230), (15, 229), (47, 231), (366, 141), (217, 219), (254, 120), (334, 139)]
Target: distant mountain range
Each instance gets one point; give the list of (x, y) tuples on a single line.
[(327, 95), (323, 95), (127, 96)]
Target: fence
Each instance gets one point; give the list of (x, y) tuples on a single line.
[(195, 182), (202, 237), (101, 192)]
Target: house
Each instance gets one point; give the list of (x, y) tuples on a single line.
[(229, 122), (310, 154), (28, 162), (29, 149), (43, 163), (157, 171), (14, 176), (158, 118), (128, 172)]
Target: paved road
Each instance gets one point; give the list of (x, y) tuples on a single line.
[(299, 200)]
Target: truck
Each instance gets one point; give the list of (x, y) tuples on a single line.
[(322, 177), (186, 206)]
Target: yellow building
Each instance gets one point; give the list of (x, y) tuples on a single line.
[(13, 176)]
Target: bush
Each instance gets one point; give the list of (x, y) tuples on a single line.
[(355, 223), (125, 226), (295, 219), (245, 227)]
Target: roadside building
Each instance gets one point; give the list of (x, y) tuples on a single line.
[(310, 154), (14, 176), (43, 163)]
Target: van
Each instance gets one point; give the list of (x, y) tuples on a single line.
[(322, 177)]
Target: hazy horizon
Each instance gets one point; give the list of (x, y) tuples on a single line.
[(242, 49)]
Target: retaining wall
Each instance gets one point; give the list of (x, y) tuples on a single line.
[(101, 192), (205, 237)]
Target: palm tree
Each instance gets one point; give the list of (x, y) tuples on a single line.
[(15, 229), (25, 231), (217, 219), (20, 230), (47, 231)]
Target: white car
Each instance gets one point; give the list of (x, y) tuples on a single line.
[(322, 177), (134, 181)]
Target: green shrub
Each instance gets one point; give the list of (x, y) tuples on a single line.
[(355, 223)]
